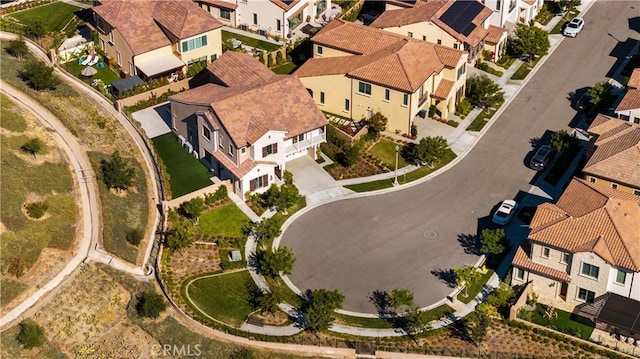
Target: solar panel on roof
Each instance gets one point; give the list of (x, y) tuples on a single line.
[(460, 14)]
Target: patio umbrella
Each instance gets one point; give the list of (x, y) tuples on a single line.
[(88, 71)]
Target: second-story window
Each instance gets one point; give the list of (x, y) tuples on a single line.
[(230, 150), (255, 19), (322, 98), (387, 94), (195, 43), (319, 50), (590, 270), (269, 149), (405, 100), (225, 14), (461, 70), (278, 25), (364, 88), (111, 37), (621, 277), (220, 141), (410, 34), (545, 252), (206, 133)]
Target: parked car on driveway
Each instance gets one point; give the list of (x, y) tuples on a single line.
[(574, 27), (505, 212), (541, 159)]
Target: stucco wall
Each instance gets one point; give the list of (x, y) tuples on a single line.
[(578, 280), (607, 183), (329, 52), (214, 47)]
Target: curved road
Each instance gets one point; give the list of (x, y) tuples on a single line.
[(362, 245)]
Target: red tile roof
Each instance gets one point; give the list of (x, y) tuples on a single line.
[(630, 101), (220, 4), (444, 89), (634, 79), (354, 38), (285, 5), (495, 34), (146, 25), (590, 218), (522, 260), (238, 69)]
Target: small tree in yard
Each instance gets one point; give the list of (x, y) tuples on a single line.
[(482, 92), (600, 94), (431, 149), (37, 28), (466, 275), (477, 324), (280, 260), (377, 123), (415, 320), (283, 197), (39, 76), (267, 302), (150, 305), (352, 154), (400, 297), (265, 230), (31, 335), (116, 172), (503, 296), (319, 313), (492, 241), (560, 140), (34, 147), (181, 236), (530, 40), (17, 48), (192, 208)]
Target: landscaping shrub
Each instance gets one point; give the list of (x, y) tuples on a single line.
[(270, 60), (279, 58), (39, 76), (453, 123), (134, 236), (31, 335), (432, 110), (482, 66), (220, 194), (414, 130), (464, 107), (195, 68), (37, 209), (150, 305)]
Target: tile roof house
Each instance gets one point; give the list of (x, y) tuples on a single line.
[(357, 70), (629, 107), (458, 24), (266, 17), (614, 154), (153, 38), (508, 13), (248, 122), (582, 247)]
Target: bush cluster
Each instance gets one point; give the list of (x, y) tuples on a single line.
[(37, 209)]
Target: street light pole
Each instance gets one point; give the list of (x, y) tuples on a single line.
[(395, 180)]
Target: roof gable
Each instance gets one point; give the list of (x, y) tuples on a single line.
[(238, 69)]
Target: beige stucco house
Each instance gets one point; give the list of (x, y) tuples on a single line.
[(629, 107), (613, 154), (248, 122), (153, 38), (358, 70), (461, 25), (583, 247)]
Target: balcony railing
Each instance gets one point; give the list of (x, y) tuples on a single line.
[(306, 143)]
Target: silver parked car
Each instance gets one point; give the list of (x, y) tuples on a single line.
[(574, 27)]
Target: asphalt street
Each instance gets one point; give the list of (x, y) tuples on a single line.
[(377, 243)]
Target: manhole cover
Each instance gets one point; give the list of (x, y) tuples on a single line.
[(429, 234)]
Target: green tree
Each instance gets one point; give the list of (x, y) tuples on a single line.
[(39, 76), (503, 296), (560, 140), (134, 236), (283, 197), (601, 94), (37, 29), (192, 208), (466, 275), (482, 92), (488, 309), (150, 305), (492, 241), (477, 324), (400, 297), (267, 302), (116, 172), (288, 178), (34, 147), (319, 313), (376, 124), (16, 267), (181, 236), (31, 335), (265, 230), (352, 154), (530, 40), (415, 320), (280, 260), (431, 149), (568, 4), (17, 48)]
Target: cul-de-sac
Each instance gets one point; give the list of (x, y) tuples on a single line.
[(383, 179)]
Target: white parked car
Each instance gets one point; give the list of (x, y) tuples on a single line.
[(574, 27), (506, 211)]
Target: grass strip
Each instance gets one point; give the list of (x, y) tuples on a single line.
[(475, 287), (54, 15)]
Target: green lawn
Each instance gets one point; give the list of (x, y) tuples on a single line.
[(288, 295), (409, 177), (284, 69), (55, 15), (385, 151), (381, 323), (565, 322), (250, 41), (475, 287), (504, 63), (521, 72), (224, 221), (106, 74), (186, 174), (11, 118), (224, 297)]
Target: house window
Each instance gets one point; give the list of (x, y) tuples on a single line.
[(545, 252), (636, 192), (636, 120), (364, 88), (590, 270), (405, 100), (206, 133), (259, 182), (225, 14), (455, 46), (100, 23), (195, 43), (586, 295), (221, 141), (322, 98), (520, 273), (461, 70), (387, 94), (230, 150), (278, 25), (439, 42), (111, 37), (614, 185), (319, 50), (621, 277), (498, 3), (424, 37), (269, 149), (347, 105), (565, 258), (102, 45), (255, 19), (410, 34), (118, 58), (592, 179), (298, 138)]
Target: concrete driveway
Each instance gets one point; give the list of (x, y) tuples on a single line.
[(309, 177), (155, 121), (379, 243)]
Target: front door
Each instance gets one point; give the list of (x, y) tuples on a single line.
[(563, 290)]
